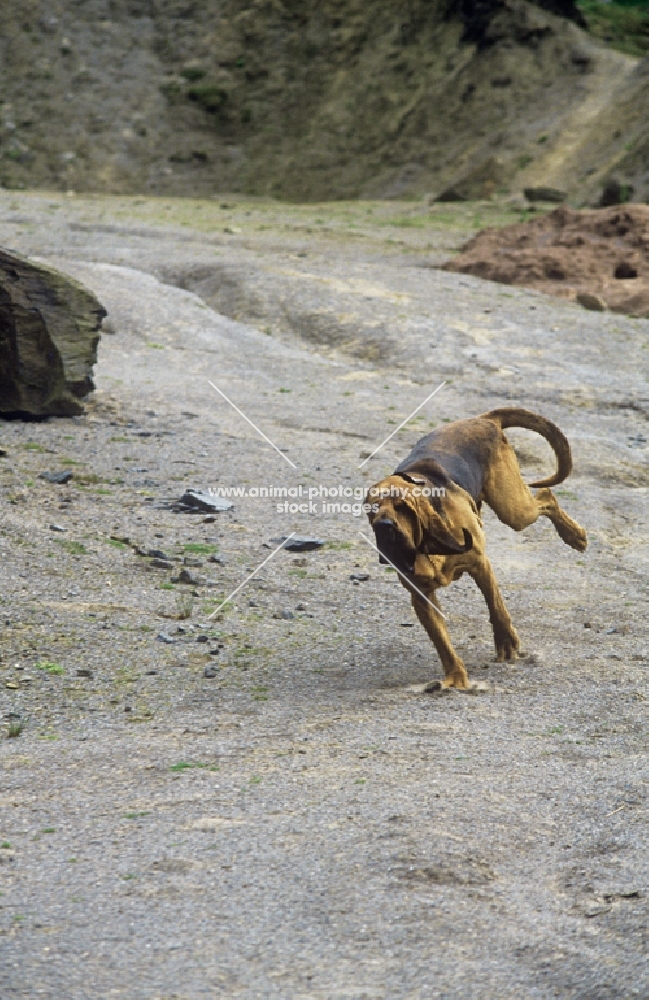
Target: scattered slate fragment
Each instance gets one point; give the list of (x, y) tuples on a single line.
[(210, 671), (57, 527), (217, 559), (84, 672), (157, 554), (57, 477), (299, 543), (197, 501), (185, 577), (359, 576), (165, 637), (161, 563)]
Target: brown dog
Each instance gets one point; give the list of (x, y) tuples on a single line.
[(426, 518)]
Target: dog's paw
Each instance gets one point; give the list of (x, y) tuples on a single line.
[(437, 687), (507, 648), (572, 534), (444, 687)]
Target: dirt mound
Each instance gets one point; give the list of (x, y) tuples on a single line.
[(600, 257)]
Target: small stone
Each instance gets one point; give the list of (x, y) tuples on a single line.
[(216, 559), (288, 615), (84, 672), (214, 652), (252, 604), (202, 638), (190, 561), (592, 302), (185, 577), (197, 500), (210, 519), (57, 527), (165, 637), (545, 194), (157, 554), (359, 576), (210, 671), (12, 685), (161, 564), (59, 478), (299, 543), (301, 606), (609, 631)]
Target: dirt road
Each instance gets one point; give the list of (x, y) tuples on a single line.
[(264, 803)]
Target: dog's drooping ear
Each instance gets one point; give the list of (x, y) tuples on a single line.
[(440, 542)]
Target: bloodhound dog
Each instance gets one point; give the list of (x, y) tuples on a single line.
[(426, 519)]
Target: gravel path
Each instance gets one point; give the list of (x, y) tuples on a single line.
[(305, 823)]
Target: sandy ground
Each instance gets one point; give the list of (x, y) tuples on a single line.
[(306, 823)]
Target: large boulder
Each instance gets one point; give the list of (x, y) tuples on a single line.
[(49, 331)]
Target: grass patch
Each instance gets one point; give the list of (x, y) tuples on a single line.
[(116, 544), (50, 668), (185, 765), (74, 548), (16, 727), (622, 24), (89, 479), (199, 549)]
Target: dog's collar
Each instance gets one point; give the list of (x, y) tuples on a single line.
[(415, 480)]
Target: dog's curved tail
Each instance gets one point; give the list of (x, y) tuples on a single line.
[(514, 416)]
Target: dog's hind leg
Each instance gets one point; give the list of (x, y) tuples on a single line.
[(506, 640), (455, 675), (513, 503)]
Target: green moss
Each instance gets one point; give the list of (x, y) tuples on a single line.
[(623, 24), (193, 73), (210, 97)]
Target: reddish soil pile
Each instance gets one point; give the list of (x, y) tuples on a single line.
[(598, 257)]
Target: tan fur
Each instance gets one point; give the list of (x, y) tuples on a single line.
[(420, 525)]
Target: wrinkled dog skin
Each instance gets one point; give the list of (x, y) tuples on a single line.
[(426, 519)]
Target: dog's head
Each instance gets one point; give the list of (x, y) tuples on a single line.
[(406, 522)]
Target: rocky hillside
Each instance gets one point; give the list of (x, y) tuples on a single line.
[(312, 100)]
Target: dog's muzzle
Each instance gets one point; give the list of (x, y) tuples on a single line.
[(391, 546)]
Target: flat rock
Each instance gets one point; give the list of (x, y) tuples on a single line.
[(59, 478), (195, 501), (299, 543)]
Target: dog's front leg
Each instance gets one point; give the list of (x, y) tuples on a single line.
[(505, 638), (455, 675)]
